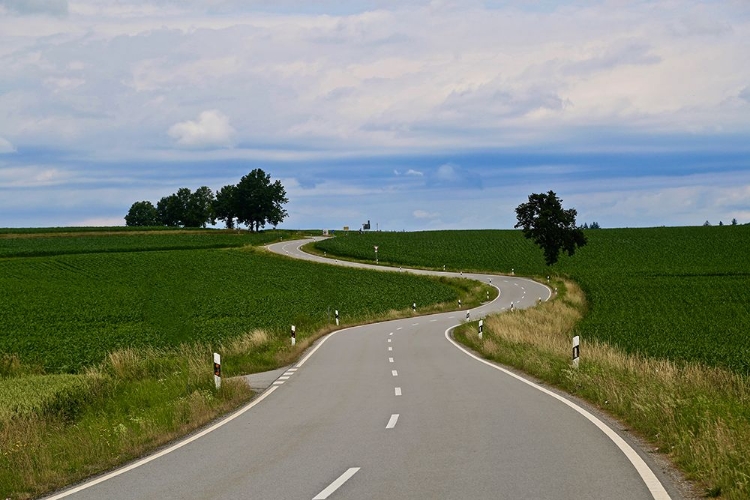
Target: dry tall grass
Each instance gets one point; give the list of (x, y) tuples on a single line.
[(699, 416)]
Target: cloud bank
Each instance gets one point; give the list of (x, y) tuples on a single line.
[(414, 98)]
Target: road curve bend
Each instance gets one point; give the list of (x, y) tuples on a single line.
[(394, 410)]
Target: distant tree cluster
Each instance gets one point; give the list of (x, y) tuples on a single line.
[(255, 201), (594, 225), (721, 223)]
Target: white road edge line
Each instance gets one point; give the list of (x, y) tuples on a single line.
[(647, 475), (172, 448), (392, 421), (336, 484)]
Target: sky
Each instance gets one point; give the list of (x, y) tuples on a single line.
[(414, 115)]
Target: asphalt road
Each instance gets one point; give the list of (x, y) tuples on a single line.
[(397, 410)]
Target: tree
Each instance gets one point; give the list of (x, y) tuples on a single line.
[(258, 201), (170, 210), (552, 228), (734, 222), (225, 205), (200, 208), (142, 213)]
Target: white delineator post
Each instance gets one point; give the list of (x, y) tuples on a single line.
[(414, 307), (217, 370), (481, 324), (468, 315), (337, 317), (376, 254), (576, 350), (294, 335)]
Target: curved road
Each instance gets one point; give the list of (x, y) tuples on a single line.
[(397, 410)]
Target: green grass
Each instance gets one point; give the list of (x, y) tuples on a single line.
[(59, 243), (675, 293), (67, 312)]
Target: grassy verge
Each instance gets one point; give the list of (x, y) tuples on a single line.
[(61, 428), (699, 416)]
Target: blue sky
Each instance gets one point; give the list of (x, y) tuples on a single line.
[(412, 114)]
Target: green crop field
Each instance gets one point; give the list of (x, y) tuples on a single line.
[(30, 244), (678, 293), (65, 312)]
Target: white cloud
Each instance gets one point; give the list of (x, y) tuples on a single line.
[(211, 129), (424, 214), (31, 176), (6, 146), (410, 172)]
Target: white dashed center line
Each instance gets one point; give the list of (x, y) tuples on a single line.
[(390, 360), (336, 484), (394, 373), (389, 340), (392, 421), (390, 348), (398, 391)]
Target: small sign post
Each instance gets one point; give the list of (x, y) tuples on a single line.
[(576, 350), (481, 324), (294, 335), (217, 370)]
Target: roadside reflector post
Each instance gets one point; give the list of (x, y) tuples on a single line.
[(481, 324), (576, 350), (468, 315), (488, 295), (511, 306), (294, 335), (513, 272), (414, 307), (217, 370), (459, 303), (337, 317)]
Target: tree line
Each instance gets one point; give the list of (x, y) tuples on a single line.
[(255, 201)]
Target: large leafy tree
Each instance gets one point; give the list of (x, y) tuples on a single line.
[(200, 208), (544, 220), (142, 213), (170, 210), (225, 205), (259, 201)]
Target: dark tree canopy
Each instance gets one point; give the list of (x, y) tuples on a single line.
[(258, 201), (255, 201), (224, 205), (142, 213), (552, 228)]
